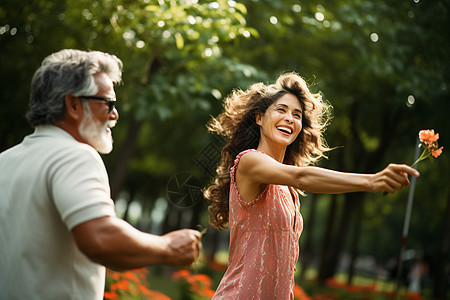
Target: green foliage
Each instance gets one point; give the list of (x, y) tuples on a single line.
[(383, 65)]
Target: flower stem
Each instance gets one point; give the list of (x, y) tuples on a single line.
[(425, 154)]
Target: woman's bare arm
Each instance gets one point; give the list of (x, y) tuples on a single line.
[(262, 169)]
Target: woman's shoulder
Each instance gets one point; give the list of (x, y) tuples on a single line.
[(249, 153), (242, 153), (243, 160)]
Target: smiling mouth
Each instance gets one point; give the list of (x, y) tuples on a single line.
[(286, 130)]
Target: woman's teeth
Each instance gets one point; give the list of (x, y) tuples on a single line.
[(284, 129)]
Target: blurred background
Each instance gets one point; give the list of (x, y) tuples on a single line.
[(383, 65)]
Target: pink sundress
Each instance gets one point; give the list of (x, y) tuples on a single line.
[(263, 244)]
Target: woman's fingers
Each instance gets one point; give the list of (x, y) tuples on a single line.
[(394, 177)]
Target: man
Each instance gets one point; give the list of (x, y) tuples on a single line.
[(58, 228)]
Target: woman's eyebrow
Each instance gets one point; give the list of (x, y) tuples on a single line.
[(286, 106)]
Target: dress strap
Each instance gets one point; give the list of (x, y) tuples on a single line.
[(233, 184), (237, 160)]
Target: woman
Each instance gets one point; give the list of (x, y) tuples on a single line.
[(274, 133)]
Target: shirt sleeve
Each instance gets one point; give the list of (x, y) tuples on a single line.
[(79, 185)]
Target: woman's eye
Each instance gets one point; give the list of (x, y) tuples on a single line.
[(298, 116), (281, 110)]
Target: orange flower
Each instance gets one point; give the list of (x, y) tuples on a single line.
[(140, 270), (155, 295), (130, 284), (370, 288), (144, 289), (111, 295), (436, 152), (180, 274), (208, 293), (413, 296), (159, 296), (429, 140), (353, 288), (198, 284), (141, 273), (195, 287), (300, 294), (121, 285), (428, 136), (332, 282), (215, 265), (202, 278), (114, 275), (131, 276)]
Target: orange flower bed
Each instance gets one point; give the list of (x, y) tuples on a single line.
[(198, 284), (130, 284)]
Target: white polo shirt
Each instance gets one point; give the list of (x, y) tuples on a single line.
[(50, 183)]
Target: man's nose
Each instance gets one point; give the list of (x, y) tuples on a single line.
[(114, 114)]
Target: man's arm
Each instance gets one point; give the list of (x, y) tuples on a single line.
[(116, 244)]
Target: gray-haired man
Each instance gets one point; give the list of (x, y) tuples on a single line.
[(58, 228)]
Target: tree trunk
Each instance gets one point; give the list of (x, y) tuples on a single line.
[(331, 264), (440, 276), (195, 220), (127, 208), (118, 177), (327, 237), (306, 252), (121, 166), (355, 240), (172, 220)]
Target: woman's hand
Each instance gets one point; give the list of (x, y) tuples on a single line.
[(393, 178)]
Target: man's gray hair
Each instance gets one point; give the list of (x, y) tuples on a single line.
[(65, 72)]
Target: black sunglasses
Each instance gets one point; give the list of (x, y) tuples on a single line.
[(111, 102)]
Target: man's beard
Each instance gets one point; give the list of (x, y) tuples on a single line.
[(97, 135)]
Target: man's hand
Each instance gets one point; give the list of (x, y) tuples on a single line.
[(183, 246), (116, 244)]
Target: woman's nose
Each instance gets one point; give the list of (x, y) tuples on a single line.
[(289, 118)]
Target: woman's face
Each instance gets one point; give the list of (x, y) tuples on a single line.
[(282, 121)]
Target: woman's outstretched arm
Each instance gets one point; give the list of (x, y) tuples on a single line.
[(259, 168)]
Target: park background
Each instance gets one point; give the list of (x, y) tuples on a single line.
[(383, 65)]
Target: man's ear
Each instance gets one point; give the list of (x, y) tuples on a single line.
[(74, 107)]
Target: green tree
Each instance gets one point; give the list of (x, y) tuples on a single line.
[(382, 64)]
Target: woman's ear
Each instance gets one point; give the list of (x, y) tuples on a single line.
[(258, 118)]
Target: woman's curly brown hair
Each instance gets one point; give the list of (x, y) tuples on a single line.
[(238, 124)]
